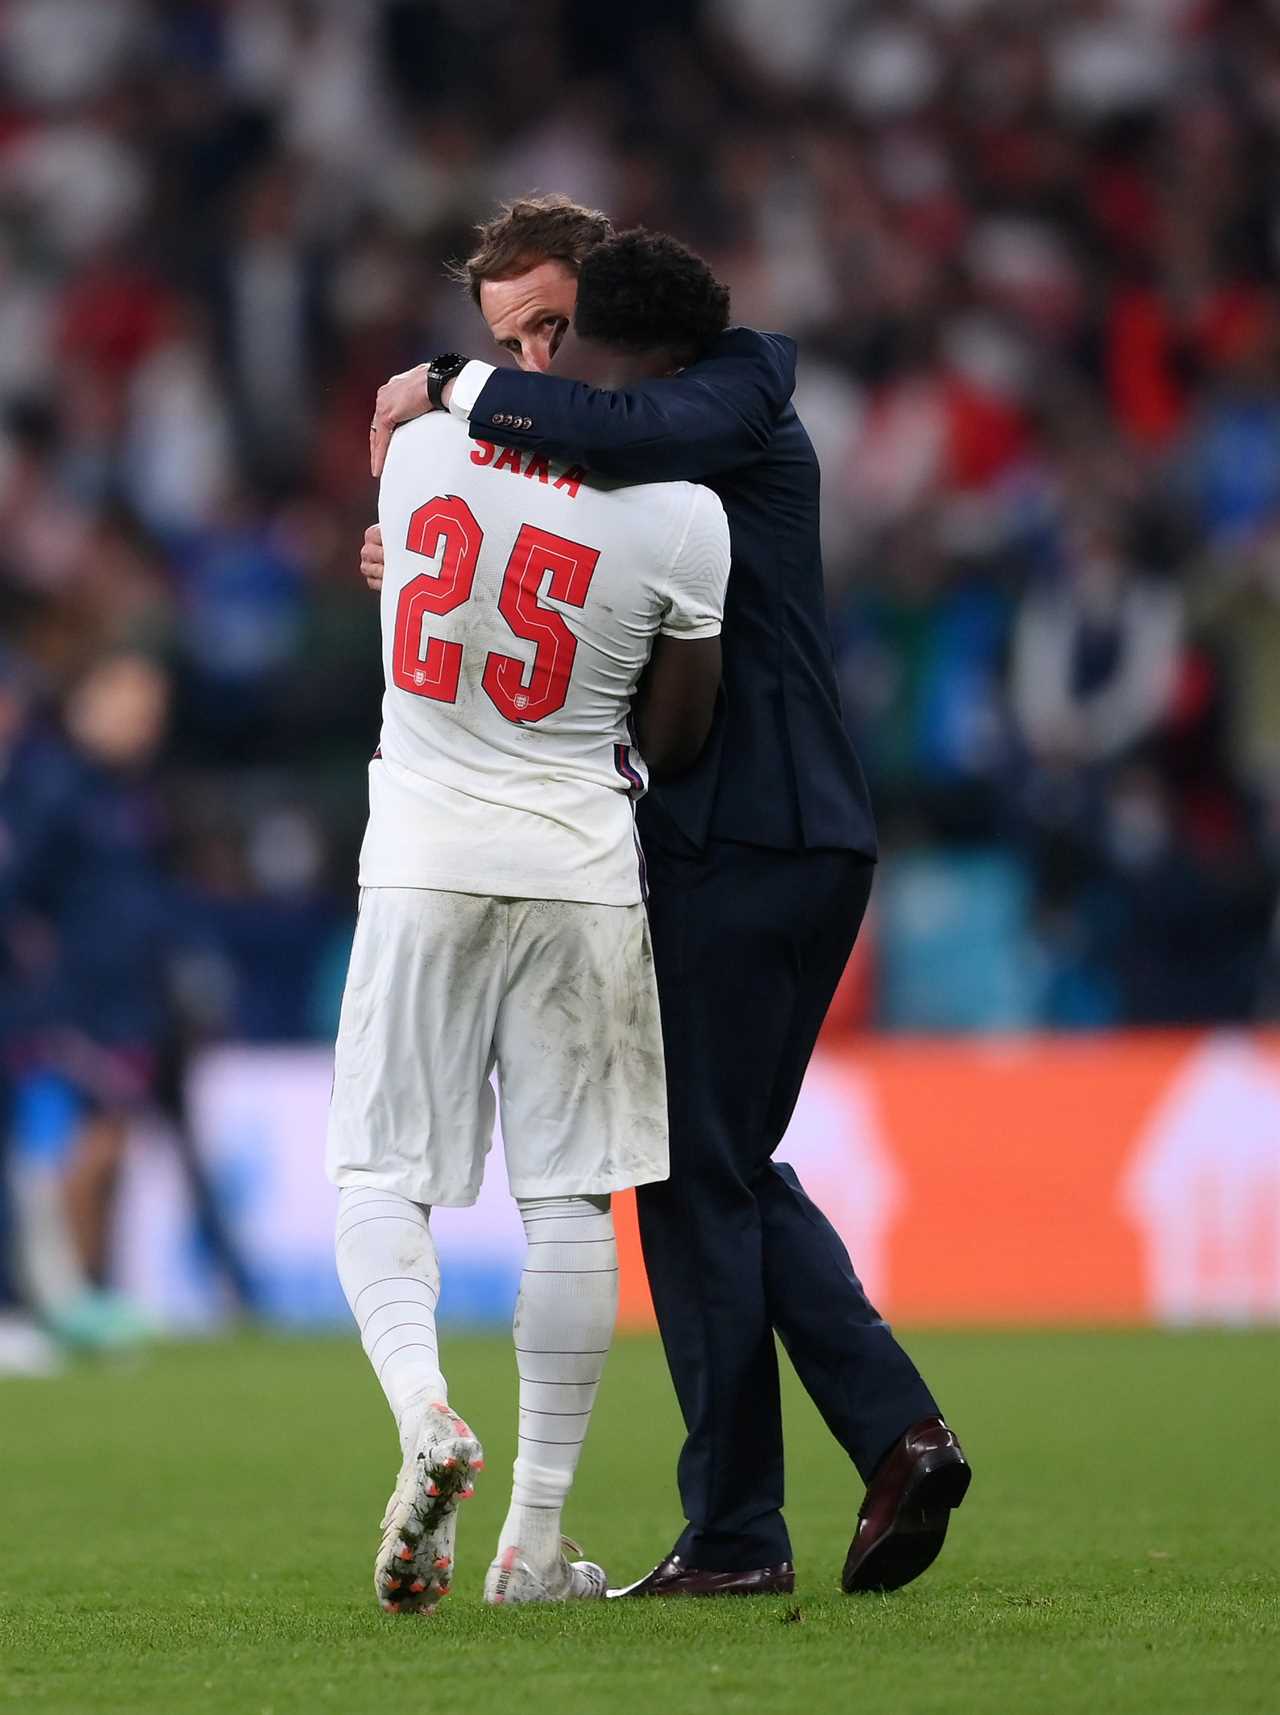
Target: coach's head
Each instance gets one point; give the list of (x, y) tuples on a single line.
[(651, 306), (523, 272), (642, 295)]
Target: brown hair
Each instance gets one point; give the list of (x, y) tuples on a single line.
[(528, 231)]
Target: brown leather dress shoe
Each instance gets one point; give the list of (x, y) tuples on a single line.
[(673, 1578), (908, 1504)]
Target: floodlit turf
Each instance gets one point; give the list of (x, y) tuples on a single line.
[(196, 1532)]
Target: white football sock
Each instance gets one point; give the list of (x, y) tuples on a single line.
[(564, 1321), (389, 1272)]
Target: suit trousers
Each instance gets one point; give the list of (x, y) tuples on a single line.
[(749, 944)]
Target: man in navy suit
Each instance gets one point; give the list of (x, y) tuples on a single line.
[(760, 862)]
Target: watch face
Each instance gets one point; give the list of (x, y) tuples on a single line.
[(440, 371)]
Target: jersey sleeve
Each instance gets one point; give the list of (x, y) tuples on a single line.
[(699, 572)]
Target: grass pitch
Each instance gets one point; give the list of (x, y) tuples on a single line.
[(197, 1532)]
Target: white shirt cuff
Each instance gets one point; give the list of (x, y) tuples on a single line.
[(467, 387)]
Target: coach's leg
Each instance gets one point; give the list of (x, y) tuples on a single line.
[(724, 1366), (723, 971), (866, 1387), (564, 1322)]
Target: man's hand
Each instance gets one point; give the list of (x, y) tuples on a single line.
[(372, 558), (399, 400)]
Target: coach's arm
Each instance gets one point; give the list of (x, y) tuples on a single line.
[(715, 415)]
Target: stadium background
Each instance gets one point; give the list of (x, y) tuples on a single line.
[(1031, 254)]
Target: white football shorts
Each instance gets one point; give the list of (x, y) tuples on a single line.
[(560, 998)]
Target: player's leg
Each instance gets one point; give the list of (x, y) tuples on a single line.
[(584, 1114), (25, 1349), (389, 1273), (409, 1126), (391, 1277), (89, 1185), (564, 1323)]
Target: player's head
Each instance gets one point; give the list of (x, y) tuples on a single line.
[(647, 305), (118, 713), (523, 272)]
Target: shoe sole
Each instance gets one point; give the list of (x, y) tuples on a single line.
[(914, 1540), (415, 1565)]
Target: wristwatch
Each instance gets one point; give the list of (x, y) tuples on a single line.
[(440, 372)]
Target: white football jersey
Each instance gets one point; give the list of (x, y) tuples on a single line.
[(519, 607)]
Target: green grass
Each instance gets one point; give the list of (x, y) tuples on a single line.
[(196, 1533)]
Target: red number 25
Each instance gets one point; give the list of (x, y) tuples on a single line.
[(430, 667)]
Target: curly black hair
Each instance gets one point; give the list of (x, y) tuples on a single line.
[(643, 291)]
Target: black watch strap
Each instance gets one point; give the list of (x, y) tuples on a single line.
[(440, 372)]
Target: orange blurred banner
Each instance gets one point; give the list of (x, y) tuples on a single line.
[(1121, 1179)]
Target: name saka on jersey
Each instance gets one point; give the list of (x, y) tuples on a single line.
[(520, 603)]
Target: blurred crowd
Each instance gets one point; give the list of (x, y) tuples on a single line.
[(1031, 251)]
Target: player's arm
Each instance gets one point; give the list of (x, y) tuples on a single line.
[(676, 702), (715, 415)]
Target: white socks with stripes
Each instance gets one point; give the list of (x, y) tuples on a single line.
[(388, 1269), (564, 1321)]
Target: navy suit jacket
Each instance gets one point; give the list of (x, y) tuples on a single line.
[(779, 768)]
